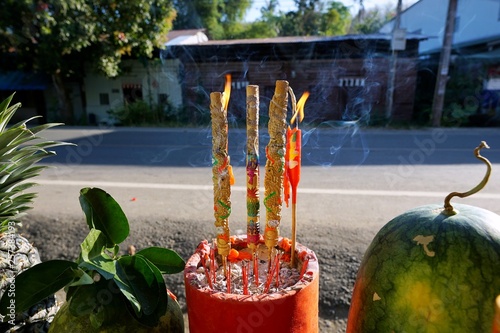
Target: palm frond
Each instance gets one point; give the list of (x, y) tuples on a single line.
[(21, 148)]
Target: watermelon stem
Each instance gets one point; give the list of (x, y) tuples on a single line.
[(447, 205)]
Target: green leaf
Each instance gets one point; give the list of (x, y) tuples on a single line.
[(167, 261), (84, 280), (97, 318), (103, 264), (163, 299), (83, 300), (93, 245), (93, 257), (138, 283), (7, 112), (105, 214), (39, 282)]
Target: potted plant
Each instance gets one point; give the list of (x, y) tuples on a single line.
[(105, 291)]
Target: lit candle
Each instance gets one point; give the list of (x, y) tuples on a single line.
[(293, 163)]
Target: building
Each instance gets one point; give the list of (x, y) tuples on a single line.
[(477, 26), (347, 76), (475, 57), (156, 81)]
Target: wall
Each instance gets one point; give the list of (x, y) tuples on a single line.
[(477, 20), (156, 83), (341, 89)]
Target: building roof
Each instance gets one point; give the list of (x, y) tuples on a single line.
[(292, 48), (310, 39), (186, 37)]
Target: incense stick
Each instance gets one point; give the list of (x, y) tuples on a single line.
[(253, 202), (275, 164), (221, 174)]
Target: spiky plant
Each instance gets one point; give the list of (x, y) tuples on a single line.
[(20, 150)]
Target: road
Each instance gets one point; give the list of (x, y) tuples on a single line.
[(351, 177)]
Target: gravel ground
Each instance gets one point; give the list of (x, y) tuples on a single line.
[(339, 251)]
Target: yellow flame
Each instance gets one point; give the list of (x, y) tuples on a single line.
[(300, 108), (227, 91)]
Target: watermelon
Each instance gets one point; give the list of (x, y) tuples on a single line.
[(431, 269), (427, 271)]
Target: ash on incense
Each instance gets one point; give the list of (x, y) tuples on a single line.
[(240, 276)]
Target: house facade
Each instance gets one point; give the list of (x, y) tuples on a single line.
[(477, 25), (347, 76), (475, 57), (155, 81)]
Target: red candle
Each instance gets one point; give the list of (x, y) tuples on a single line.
[(292, 162), (292, 165)]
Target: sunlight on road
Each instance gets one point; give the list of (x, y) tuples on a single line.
[(188, 187)]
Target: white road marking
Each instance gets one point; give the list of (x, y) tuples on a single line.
[(188, 187)]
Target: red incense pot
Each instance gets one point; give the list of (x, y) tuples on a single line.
[(292, 310)]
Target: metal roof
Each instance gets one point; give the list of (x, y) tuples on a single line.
[(309, 39)]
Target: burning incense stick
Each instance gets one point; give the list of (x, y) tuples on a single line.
[(275, 164), (221, 173), (253, 203)]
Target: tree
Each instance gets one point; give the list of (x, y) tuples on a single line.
[(336, 20), (371, 20), (59, 37), (315, 18), (223, 19)]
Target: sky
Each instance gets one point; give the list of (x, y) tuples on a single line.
[(287, 5)]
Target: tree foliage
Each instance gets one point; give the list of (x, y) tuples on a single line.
[(372, 20), (316, 18), (59, 37), (222, 19)]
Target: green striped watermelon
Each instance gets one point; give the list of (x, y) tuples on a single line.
[(429, 271), (433, 269)]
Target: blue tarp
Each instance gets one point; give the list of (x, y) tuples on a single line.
[(17, 80)]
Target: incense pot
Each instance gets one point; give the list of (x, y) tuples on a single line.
[(294, 309), (213, 303)]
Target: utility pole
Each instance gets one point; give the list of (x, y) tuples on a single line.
[(393, 64), (444, 64)]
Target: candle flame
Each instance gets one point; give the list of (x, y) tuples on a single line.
[(300, 108), (227, 91)]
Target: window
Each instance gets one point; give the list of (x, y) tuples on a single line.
[(104, 99), (132, 92), (162, 99)]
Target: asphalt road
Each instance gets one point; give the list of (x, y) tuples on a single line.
[(351, 177)]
